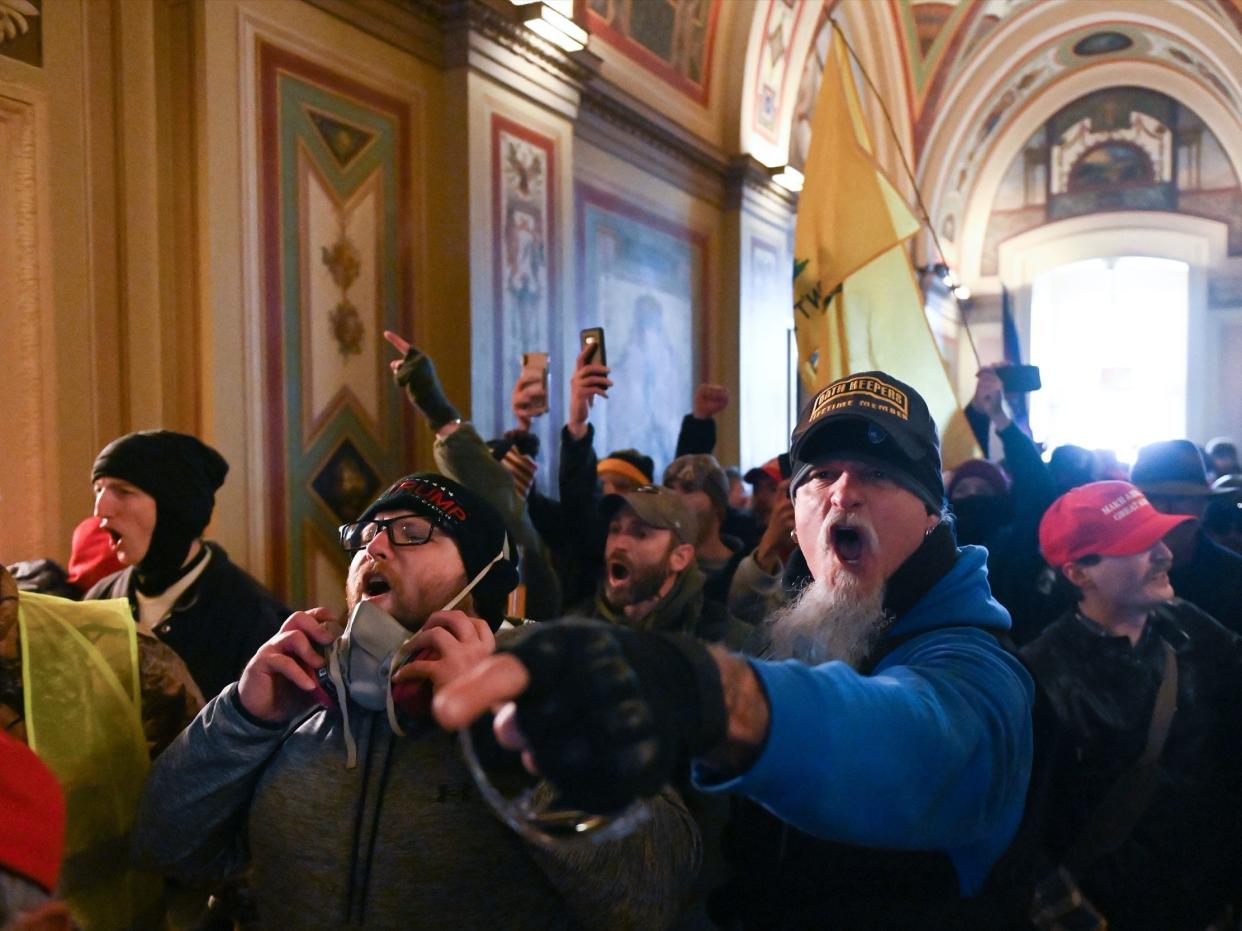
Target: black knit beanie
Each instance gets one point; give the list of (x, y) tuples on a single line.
[(475, 526), (181, 473)]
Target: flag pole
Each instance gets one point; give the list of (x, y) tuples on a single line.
[(918, 197)]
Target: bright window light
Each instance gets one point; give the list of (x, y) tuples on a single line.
[(1109, 336)]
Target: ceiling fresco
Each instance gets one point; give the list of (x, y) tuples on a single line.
[(1079, 48), (1123, 148), (942, 37), (942, 44)]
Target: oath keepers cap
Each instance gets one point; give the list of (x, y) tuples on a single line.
[(876, 417)]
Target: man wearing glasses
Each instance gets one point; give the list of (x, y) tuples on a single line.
[(354, 810)]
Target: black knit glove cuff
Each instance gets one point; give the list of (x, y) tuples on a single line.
[(704, 721), (417, 375)]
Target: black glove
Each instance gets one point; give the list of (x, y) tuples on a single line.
[(417, 375), (610, 711)]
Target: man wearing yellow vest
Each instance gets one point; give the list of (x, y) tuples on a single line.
[(94, 700)]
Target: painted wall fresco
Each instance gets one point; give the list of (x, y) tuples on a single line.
[(334, 184), (673, 39), (1117, 149), (524, 247), (779, 27), (21, 30), (643, 279)]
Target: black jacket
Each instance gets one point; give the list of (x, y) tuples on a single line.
[(217, 625), (1212, 582), (1177, 868), (1020, 579)]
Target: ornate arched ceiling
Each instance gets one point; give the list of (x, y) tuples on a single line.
[(969, 81)]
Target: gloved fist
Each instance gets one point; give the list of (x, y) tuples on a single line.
[(610, 712)]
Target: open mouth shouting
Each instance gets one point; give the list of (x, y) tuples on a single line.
[(848, 543), (619, 571), (375, 584), (121, 544)]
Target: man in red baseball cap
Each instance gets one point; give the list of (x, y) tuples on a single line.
[(1144, 811)]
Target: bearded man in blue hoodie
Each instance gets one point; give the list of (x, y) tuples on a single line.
[(886, 732)]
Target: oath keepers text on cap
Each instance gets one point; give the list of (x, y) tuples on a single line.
[(861, 392)]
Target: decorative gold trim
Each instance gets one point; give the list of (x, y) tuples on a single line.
[(25, 450)]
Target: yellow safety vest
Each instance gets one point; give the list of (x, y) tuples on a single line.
[(83, 719)]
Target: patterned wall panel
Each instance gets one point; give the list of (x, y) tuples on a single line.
[(673, 40), (780, 24), (24, 480), (334, 175), (644, 279), (524, 250)]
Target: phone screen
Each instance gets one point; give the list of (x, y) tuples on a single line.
[(594, 336)]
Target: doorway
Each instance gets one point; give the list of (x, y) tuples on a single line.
[(1110, 337)]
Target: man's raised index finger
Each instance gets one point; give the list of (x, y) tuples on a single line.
[(398, 342)]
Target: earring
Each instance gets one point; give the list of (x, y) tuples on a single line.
[(793, 535)]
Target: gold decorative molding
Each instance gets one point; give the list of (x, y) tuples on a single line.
[(24, 451)]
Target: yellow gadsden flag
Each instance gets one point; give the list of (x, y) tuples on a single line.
[(857, 305)]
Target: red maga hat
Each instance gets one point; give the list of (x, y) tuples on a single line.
[(32, 831), (1102, 519)]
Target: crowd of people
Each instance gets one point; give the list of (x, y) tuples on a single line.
[(841, 689)]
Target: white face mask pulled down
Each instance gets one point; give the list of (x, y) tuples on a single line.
[(361, 662)]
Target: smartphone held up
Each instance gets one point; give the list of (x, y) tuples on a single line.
[(592, 338), (535, 371), (1019, 379)]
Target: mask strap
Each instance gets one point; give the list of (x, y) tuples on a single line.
[(400, 656), (389, 706), (503, 554), (338, 680)]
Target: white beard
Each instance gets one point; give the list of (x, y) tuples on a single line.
[(828, 621)]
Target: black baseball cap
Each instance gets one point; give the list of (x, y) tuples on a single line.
[(873, 416)]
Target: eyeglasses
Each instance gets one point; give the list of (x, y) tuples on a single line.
[(406, 530)]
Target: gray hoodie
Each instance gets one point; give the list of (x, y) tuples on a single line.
[(404, 840)]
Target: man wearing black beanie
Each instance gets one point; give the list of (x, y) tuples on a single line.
[(154, 494)]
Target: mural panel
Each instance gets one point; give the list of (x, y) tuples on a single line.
[(524, 247), (1123, 148), (672, 39), (21, 30), (644, 280), (334, 185)]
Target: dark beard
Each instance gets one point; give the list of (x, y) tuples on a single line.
[(827, 622), (641, 585)]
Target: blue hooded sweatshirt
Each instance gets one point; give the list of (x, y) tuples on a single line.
[(931, 751)]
